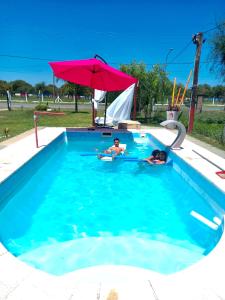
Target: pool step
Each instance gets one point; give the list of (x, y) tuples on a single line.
[(162, 257)]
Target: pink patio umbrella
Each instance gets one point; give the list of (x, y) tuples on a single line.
[(92, 73)]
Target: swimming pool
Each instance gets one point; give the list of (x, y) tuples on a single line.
[(67, 211)]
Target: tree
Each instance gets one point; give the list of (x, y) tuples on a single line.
[(217, 53), (74, 90), (153, 85), (205, 89), (49, 90), (20, 86), (4, 86), (138, 70), (40, 88), (219, 91), (160, 84), (68, 89)]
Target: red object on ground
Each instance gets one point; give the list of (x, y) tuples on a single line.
[(92, 73), (221, 174), (36, 114)]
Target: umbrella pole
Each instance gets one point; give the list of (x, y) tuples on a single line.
[(106, 98), (93, 109)]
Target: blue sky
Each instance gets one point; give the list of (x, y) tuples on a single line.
[(120, 31)]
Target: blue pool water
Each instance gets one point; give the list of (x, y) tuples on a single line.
[(69, 211)]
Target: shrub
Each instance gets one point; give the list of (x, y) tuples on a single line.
[(41, 106)]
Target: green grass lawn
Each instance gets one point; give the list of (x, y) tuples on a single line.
[(18, 121), (208, 126)]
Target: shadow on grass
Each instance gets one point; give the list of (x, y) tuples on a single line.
[(79, 112)]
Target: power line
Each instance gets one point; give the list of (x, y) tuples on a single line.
[(188, 44), (216, 27), (181, 51), (112, 63), (25, 57)]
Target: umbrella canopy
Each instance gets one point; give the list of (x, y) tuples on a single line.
[(92, 73)]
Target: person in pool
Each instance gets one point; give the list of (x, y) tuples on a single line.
[(157, 157), (115, 149), (154, 156)]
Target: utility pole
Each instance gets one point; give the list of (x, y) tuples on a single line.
[(198, 41)]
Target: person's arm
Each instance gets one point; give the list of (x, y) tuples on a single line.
[(151, 157), (108, 150), (148, 160), (160, 162)]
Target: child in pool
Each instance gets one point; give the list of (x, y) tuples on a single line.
[(157, 157)]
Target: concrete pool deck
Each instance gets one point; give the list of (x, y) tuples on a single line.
[(203, 280)]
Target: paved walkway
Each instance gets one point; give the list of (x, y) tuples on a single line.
[(14, 139), (202, 281), (209, 147)]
